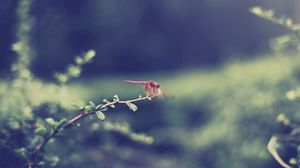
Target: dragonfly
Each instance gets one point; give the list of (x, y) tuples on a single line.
[(151, 88)]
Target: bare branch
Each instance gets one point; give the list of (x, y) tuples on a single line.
[(271, 147)]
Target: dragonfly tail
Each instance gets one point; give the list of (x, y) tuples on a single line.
[(136, 82)]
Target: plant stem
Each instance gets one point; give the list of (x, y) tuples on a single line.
[(80, 116)]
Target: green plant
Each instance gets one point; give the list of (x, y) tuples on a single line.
[(57, 127), (27, 127), (290, 40)]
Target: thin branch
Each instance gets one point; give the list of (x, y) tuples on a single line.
[(80, 116), (274, 153)]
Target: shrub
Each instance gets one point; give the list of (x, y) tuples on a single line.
[(33, 113)]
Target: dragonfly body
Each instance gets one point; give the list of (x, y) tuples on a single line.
[(136, 82)]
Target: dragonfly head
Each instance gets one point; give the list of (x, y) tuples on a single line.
[(154, 84)]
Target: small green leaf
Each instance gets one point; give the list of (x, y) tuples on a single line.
[(74, 71), (92, 104), (116, 98), (41, 163), (104, 109), (132, 106), (100, 115), (296, 27), (21, 151), (61, 77), (98, 106), (51, 122), (78, 107), (41, 130), (281, 118), (293, 161), (81, 108), (89, 55), (61, 123), (289, 22), (88, 108), (36, 140), (52, 160), (256, 10), (79, 60)]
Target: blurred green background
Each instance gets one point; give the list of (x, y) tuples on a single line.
[(141, 36), (212, 56)]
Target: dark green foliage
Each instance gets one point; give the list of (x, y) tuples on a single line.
[(221, 118), (34, 116), (290, 141)]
